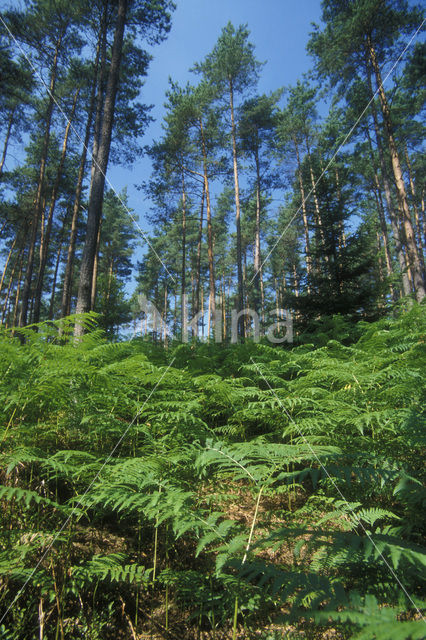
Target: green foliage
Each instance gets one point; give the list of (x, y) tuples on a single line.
[(284, 483), (375, 622)]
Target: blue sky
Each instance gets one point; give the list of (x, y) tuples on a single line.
[(279, 31)]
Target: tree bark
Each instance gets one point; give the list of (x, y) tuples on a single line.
[(6, 141), (198, 260), (210, 253), (110, 276), (39, 195), (94, 287), (381, 215), (18, 288), (183, 273), (382, 223), (100, 91), (304, 216), (165, 316), (413, 255), (94, 212), (46, 238), (257, 255), (241, 322), (406, 288), (342, 237), (7, 262), (223, 306), (18, 258), (55, 278), (379, 256), (316, 202), (68, 273), (415, 209)]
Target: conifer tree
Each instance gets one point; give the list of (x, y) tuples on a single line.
[(362, 35), (257, 121), (232, 69), (153, 22)]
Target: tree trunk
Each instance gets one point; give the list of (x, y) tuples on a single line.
[(223, 306), (7, 262), (316, 202), (67, 284), (209, 315), (18, 288), (183, 273), (416, 211), (241, 322), (295, 282), (39, 195), (94, 287), (6, 141), (277, 298), (94, 212), (100, 91), (257, 256), (413, 255), (210, 253), (46, 238), (110, 276), (379, 259), (3, 227), (342, 237), (406, 288), (55, 278), (304, 216), (382, 223), (381, 215), (198, 262), (19, 257), (165, 316), (247, 319), (193, 281)]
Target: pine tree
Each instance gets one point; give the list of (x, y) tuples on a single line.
[(257, 120), (153, 22), (362, 35), (232, 69)]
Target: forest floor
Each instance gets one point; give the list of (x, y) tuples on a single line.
[(154, 493)]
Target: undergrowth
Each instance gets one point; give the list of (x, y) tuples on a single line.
[(213, 491)]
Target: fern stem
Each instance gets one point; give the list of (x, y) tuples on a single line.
[(213, 618), (234, 625), (155, 545), (167, 607), (154, 571), (138, 586), (8, 425), (41, 619), (59, 625), (253, 524), (167, 584)]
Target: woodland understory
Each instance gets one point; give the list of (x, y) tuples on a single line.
[(214, 491)]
